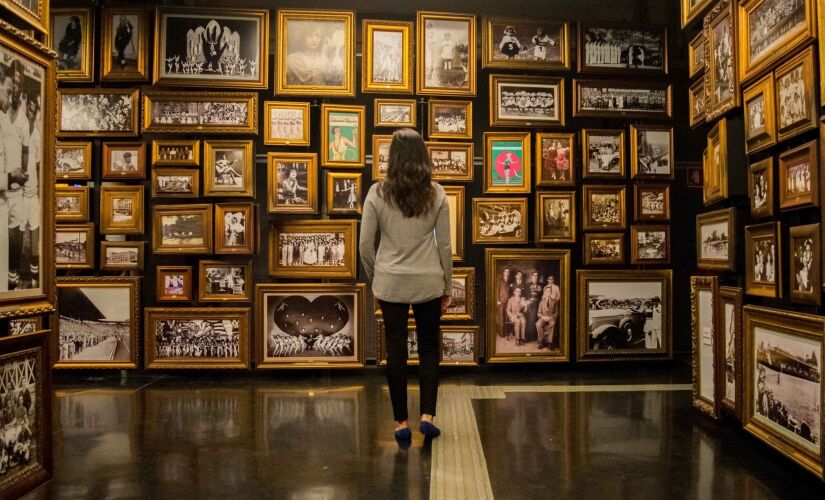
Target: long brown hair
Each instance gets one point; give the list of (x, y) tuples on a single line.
[(408, 185)]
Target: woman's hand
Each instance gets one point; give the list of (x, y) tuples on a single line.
[(446, 300)]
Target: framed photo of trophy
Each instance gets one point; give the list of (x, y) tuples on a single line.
[(500, 221), (72, 37), (342, 133), (229, 168), (235, 228), (387, 65), (445, 54), (286, 123), (555, 217), (124, 53), (805, 250), (292, 180), (312, 249), (524, 44), (760, 114), (704, 309)]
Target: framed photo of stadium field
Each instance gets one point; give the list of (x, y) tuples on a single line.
[(524, 44), (526, 101), (124, 53), (313, 249), (342, 136), (445, 54), (190, 337), (97, 112), (452, 161), (71, 35), (608, 48), (507, 162), (200, 112), (704, 297), (387, 65)]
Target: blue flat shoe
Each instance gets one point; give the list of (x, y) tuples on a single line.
[(404, 434), (428, 429)]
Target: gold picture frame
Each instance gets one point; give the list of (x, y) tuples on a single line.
[(192, 112), (645, 48), (452, 161), (697, 100), (69, 70), (763, 254), (693, 10), (223, 288), (399, 113), (176, 153), (760, 114), (455, 199), (84, 112), (729, 344), (336, 148), (716, 171), (121, 209), (412, 343), (720, 35), (285, 193), (649, 244), (130, 258), (170, 222), (449, 336), (381, 156), (74, 246), (73, 161), (283, 265), (604, 249), (344, 196), (445, 78), (591, 98), (36, 16), (547, 91), (462, 306), (555, 156), (647, 200), (176, 183), (235, 232), (387, 78), (805, 250), (508, 147), (224, 182), (134, 66), (610, 215), (605, 159), (696, 55), (716, 244), (799, 177), (704, 320), (798, 70), (122, 167), (540, 54), (760, 188), (282, 122), (450, 110), (71, 203), (179, 286), (651, 155), (556, 224), (496, 227)]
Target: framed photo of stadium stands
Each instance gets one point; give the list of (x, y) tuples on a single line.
[(452, 161), (313, 249), (704, 296), (621, 99), (460, 345), (98, 322), (526, 101), (200, 112), (97, 112), (387, 64), (635, 50), (524, 44)]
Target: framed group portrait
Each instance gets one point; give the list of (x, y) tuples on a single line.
[(604, 249), (286, 123), (124, 160), (173, 284), (97, 112), (806, 264), (71, 203), (613, 98), (182, 229), (235, 228), (517, 101), (716, 240), (763, 260), (697, 101), (729, 349), (313, 248), (342, 136), (343, 193), (760, 188), (74, 246), (555, 159), (72, 38), (200, 112), (395, 112), (73, 161), (604, 208), (452, 161), (121, 255), (651, 152), (224, 281), (507, 162), (696, 55), (229, 168), (121, 209), (387, 60), (175, 183), (455, 200), (704, 310), (796, 107), (450, 119), (459, 345), (292, 180), (721, 67), (176, 153), (555, 217), (604, 155), (799, 177), (445, 54), (524, 44), (124, 52), (651, 202), (649, 244), (760, 114), (462, 294), (622, 49), (500, 220)]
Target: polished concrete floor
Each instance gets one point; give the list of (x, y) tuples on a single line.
[(530, 432)]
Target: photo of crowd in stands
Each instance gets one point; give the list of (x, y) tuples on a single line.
[(103, 111)]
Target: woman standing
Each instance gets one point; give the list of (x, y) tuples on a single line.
[(412, 266)]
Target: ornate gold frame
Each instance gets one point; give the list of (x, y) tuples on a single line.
[(690, 14), (110, 147), (479, 239), (250, 240), (248, 99), (107, 72), (488, 41), (108, 193), (733, 296), (79, 192), (588, 224), (326, 110), (457, 192), (697, 95), (203, 296), (87, 25), (37, 19), (708, 284), (764, 230), (722, 11), (347, 227), (526, 168), (159, 162), (716, 173), (541, 197), (269, 107), (496, 120), (87, 156), (468, 274), (467, 106), (806, 60), (725, 215), (809, 152), (89, 230), (460, 329), (764, 166), (635, 172), (814, 232), (411, 103), (210, 189), (467, 147), (160, 291), (194, 174), (122, 267), (696, 55), (571, 160), (133, 96), (764, 136), (649, 85), (582, 60), (311, 162), (634, 243), (158, 211), (377, 141), (586, 134), (331, 176), (638, 210), (368, 27), (589, 259), (421, 86)]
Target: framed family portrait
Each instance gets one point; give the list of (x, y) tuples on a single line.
[(604, 208), (524, 44), (74, 246), (124, 160), (175, 183), (97, 112), (182, 229), (173, 283), (387, 56), (313, 249), (649, 244), (716, 167), (286, 123), (729, 347), (459, 345), (124, 53), (224, 281), (381, 155), (462, 305), (624, 315), (121, 209), (696, 55), (292, 334), (500, 220), (799, 177), (651, 152), (721, 67), (73, 161), (704, 297), (200, 112), (604, 154), (71, 203), (806, 264), (555, 217), (455, 199), (760, 114), (697, 100), (517, 101), (528, 297), (342, 133), (622, 49), (613, 98), (716, 240), (555, 159), (343, 193), (604, 249), (292, 180), (98, 322), (209, 47), (783, 376), (651, 202), (452, 161), (235, 228), (450, 119), (763, 260), (176, 153), (796, 107), (121, 255), (190, 337), (72, 37), (507, 162), (395, 112), (760, 188), (229, 168), (445, 54), (315, 53)]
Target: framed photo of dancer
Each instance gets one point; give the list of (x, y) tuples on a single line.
[(313, 249), (617, 49), (721, 66), (124, 54), (387, 63), (462, 306), (760, 115), (528, 296), (182, 229), (190, 337), (208, 47), (716, 240), (97, 112), (696, 55), (235, 228), (651, 202), (704, 308), (173, 283), (290, 334), (315, 53), (459, 345), (224, 281), (412, 343), (604, 154), (729, 349), (71, 203), (604, 208), (121, 209), (286, 123), (343, 193), (500, 220), (229, 168), (649, 244), (452, 161), (555, 217), (185, 153), (455, 198), (806, 279), (799, 177), (507, 162), (72, 38), (760, 188), (526, 101), (651, 152), (73, 161), (445, 54), (555, 159), (450, 119), (381, 156), (175, 183), (524, 44), (200, 112), (604, 249), (292, 180), (124, 160), (796, 107), (121, 255), (342, 130), (763, 257), (74, 246)]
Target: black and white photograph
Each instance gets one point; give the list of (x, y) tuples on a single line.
[(175, 153), (346, 194), (400, 114), (556, 217), (459, 306), (71, 247), (445, 53), (517, 43), (605, 208), (233, 113), (234, 229), (174, 184), (500, 220), (525, 100), (388, 56), (451, 119), (316, 52), (451, 161), (798, 179), (764, 260), (197, 338), (803, 265), (759, 199), (228, 169), (804, 272), (604, 249), (287, 124), (624, 314), (125, 41), (653, 203), (120, 256), (651, 244), (622, 49), (312, 249), (293, 187), (124, 161), (458, 346), (770, 22), (123, 210), (221, 280), (185, 230), (125, 45), (102, 112), (722, 68), (756, 114), (381, 155), (652, 151), (731, 327), (604, 152), (73, 161), (714, 238), (72, 37), (793, 98), (606, 98), (67, 204), (19, 441), (23, 326)]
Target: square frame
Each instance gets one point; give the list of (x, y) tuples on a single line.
[(202, 210), (275, 190), (498, 118), (339, 158), (159, 161), (412, 104), (79, 192), (89, 230), (590, 224), (711, 406), (523, 226), (465, 107), (542, 197), (590, 240), (811, 234), (84, 148), (809, 153), (355, 193), (210, 164), (490, 163), (108, 194), (423, 19), (161, 294), (622, 157), (346, 227), (108, 73), (725, 216), (271, 107), (205, 296), (250, 239), (762, 135), (635, 256), (753, 286), (639, 214), (568, 159), (368, 82), (137, 266), (109, 148)]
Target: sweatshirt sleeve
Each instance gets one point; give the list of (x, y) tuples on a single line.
[(366, 245), (442, 238)]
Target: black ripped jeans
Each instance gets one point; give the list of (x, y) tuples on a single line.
[(427, 318)]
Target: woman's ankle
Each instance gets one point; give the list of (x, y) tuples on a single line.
[(426, 417)]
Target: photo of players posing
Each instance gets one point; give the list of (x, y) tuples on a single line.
[(528, 303)]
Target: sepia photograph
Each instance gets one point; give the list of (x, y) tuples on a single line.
[(805, 277), (651, 152), (342, 133), (71, 203), (234, 228), (525, 101), (395, 112), (763, 260), (343, 193), (462, 305), (229, 168), (72, 38), (200, 112), (312, 248), (652, 202), (796, 107), (760, 188), (182, 229), (799, 177), (604, 248), (286, 123), (21, 391), (125, 40), (124, 160), (452, 161), (459, 345), (500, 220), (25, 326), (555, 217), (622, 49), (730, 318), (445, 54), (73, 161), (175, 183), (760, 110), (121, 255), (715, 172), (293, 182), (381, 156), (387, 56), (704, 318), (121, 209), (649, 244), (604, 208), (74, 246), (604, 153), (697, 103), (696, 55), (97, 112), (770, 29), (524, 43), (507, 162), (455, 200), (173, 283), (450, 119), (715, 240), (722, 72), (611, 98), (224, 281), (166, 153)]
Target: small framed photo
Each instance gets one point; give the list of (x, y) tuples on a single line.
[(182, 153), (796, 107), (412, 343), (806, 279), (716, 238), (190, 337), (604, 208), (182, 229), (381, 156), (315, 53), (124, 160), (651, 152), (71, 203), (25, 326), (621, 99), (175, 183), (312, 249), (704, 309), (74, 246), (292, 182), (286, 123), (121, 209), (72, 37), (524, 44), (716, 167), (697, 103), (760, 115), (387, 65), (649, 244), (799, 177), (500, 220), (173, 284), (395, 112), (721, 63), (73, 161), (555, 160), (450, 119), (343, 193), (455, 198), (760, 188), (604, 154), (696, 55), (124, 55), (342, 130), (224, 281), (507, 162), (729, 349), (97, 112), (763, 260), (459, 345), (651, 202), (462, 305), (604, 249), (452, 161), (235, 228), (200, 112), (526, 101), (556, 217), (229, 168), (693, 10), (618, 49), (121, 255), (445, 54)]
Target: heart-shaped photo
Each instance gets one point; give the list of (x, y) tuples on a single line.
[(310, 325)]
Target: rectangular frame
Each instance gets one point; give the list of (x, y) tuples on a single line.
[(457, 230), (635, 256), (691, 13), (368, 82), (550, 84), (721, 96), (160, 284), (468, 274), (460, 329), (568, 159), (592, 260), (808, 259), (84, 148), (326, 161), (79, 192), (378, 121), (250, 239), (195, 121), (412, 358), (765, 169), (380, 164), (696, 55), (586, 157), (489, 162), (664, 104), (107, 172), (210, 164), (108, 71), (759, 134), (542, 197), (716, 171), (194, 179), (806, 61), (272, 106), (489, 39), (158, 161), (588, 223), (137, 266), (752, 286), (355, 193), (423, 20), (810, 152), (347, 227), (275, 188), (638, 168), (463, 107), (697, 101), (108, 194), (639, 214), (85, 72), (708, 284), (159, 211), (128, 125), (730, 345), (205, 296), (467, 148), (89, 230), (523, 226), (726, 263), (628, 69)]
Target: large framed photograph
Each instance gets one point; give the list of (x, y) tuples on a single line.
[(175, 183), (526, 101), (649, 244), (286, 123), (190, 337), (604, 249), (524, 44), (455, 199), (73, 161), (760, 188), (291, 333), (796, 107), (97, 112), (729, 346), (381, 156), (313, 249), (200, 112), (651, 152), (182, 229), (500, 220), (721, 67), (121, 255), (763, 260), (693, 10), (316, 53), (622, 49), (97, 323), (74, 246), (616, 99), (716, 240), (343, 193), (462, 306), (716, 167), (72, 38), (292, 180), (624, 315), (387, 62), (173, 283), (604, 208), (452, 161), (704, 300), (651, 202), (450, 119), (224, 281), (124, 53), (528, 297), (71, 203), (507, 162), (760, 115), (342, 133), (805, 272), (555, 159), (235, 228), (697, 101), (445, 54), (229, 168), (604, 154), (783, 379), (696, 55), (394, 112), (121, 209), (555, 217), (179, 153), (799, 177), (208, 47), (124, 160), (459, 345)]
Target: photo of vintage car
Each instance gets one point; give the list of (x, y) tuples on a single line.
[(621, 326)]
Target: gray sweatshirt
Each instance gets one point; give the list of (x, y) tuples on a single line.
[(414, 260)]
